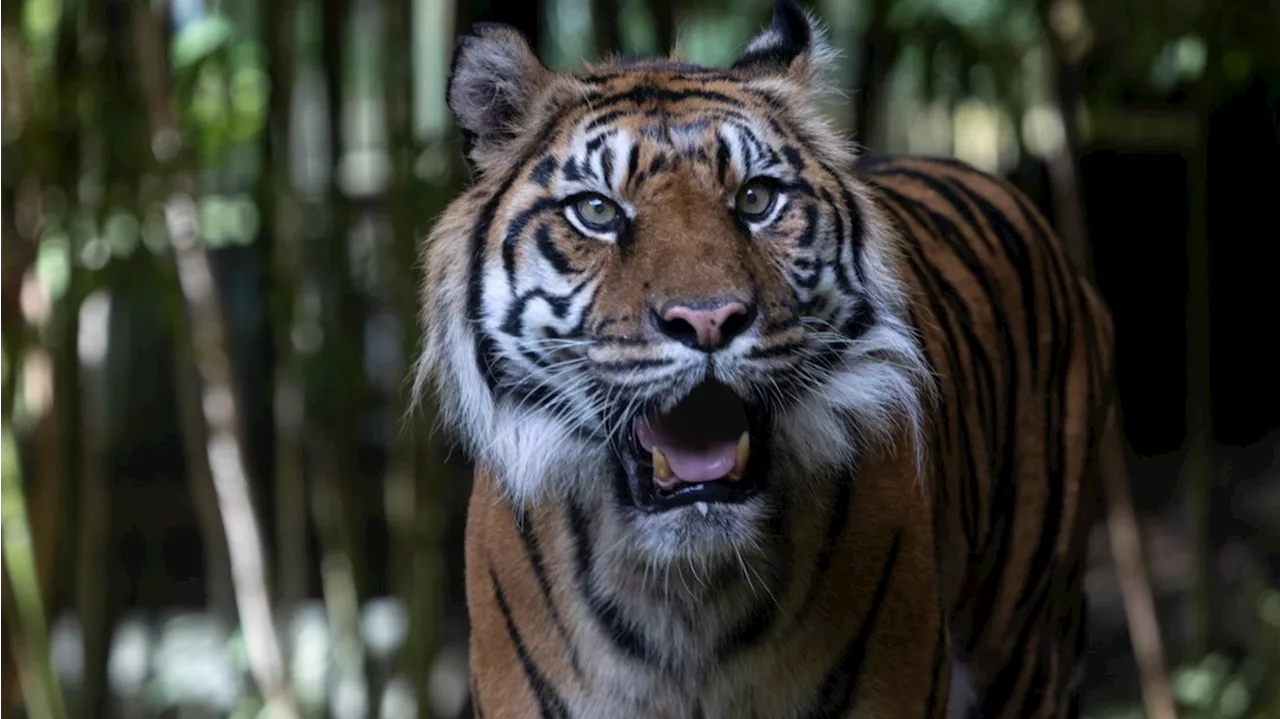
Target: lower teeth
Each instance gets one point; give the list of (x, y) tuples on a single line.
[(702, 507)]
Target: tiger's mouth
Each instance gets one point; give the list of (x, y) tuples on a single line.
[(709, 448)]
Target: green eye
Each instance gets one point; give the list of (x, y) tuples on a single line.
[(754, 200), (597, 212)]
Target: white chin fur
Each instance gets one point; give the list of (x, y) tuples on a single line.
[(538, 457)]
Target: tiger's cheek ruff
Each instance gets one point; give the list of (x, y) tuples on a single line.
[(541, 448), (855, 307)]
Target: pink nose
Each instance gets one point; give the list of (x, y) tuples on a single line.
[(706, 327)]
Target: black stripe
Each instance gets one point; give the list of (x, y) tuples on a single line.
[(594, 143), (542, 171), (794, 158), (857, 232), (658, 162), (513, 321), (953, 347), (550, 704), (981, 381), (940, 658), (560, 263), (810, 232), (837, 692), (748, 158), (627, 365), (604, 609), (516, 229), (485, 348), (747, 135), (747, 633), (531, 393), (861, 320), (606, 164), (633, 161), (842, 277), (571, 171), (533, 552), (1033, 621), (722, 159), (642, 94), (605, 119), (836, 522)]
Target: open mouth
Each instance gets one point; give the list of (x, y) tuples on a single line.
[(709, 448)]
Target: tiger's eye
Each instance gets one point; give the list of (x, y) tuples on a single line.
[(596, 211), (754, 200)]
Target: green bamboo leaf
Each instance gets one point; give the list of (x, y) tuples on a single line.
[(200, 39)]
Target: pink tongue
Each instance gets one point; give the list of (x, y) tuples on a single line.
[(702, 462)]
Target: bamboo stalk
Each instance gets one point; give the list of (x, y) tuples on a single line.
[(414, 477), (1199, 469), (333, 390), (191, 424), (29, 634), (219, 405), (1135, 587), (282, 218)]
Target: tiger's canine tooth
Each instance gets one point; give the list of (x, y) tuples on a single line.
[(740, 460), (702, 507), (661, 468)]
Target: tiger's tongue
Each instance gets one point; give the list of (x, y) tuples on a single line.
[(699, 437), (692, 459)]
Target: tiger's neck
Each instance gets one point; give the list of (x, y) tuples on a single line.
[(564, 612)]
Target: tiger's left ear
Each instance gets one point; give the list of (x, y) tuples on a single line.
[(792, 46), (492, 86)]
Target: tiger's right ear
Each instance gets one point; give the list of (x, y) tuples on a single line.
[(492, 84)]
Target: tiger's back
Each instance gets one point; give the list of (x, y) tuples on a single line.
[(1022, 348)]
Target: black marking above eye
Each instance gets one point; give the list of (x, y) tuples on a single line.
[(722, 160), (594, 143), (606, 164), (633, 160), (793, 158), (543, 171), (571, 171)]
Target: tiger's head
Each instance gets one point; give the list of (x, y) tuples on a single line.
[(665, 292)]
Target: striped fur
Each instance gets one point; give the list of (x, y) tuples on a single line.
[(930, 367)]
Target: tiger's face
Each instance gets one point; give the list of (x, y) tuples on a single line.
[(666, 295)]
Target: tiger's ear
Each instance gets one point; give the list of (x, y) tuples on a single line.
[(791, 46), (492, 85)]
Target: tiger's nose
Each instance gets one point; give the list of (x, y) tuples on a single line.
[(706, 326)]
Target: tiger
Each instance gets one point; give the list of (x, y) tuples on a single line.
[(762, 425)]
